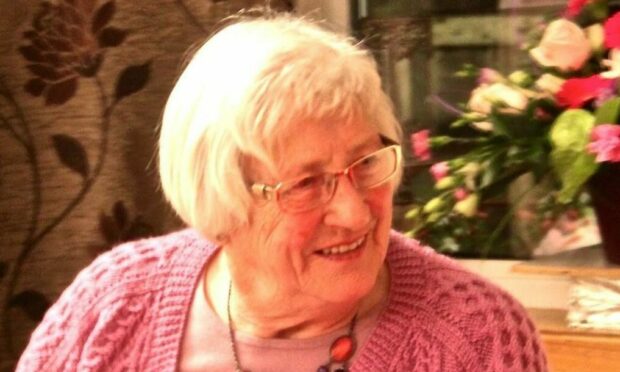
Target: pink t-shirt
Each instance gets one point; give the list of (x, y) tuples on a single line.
[(203, 349)]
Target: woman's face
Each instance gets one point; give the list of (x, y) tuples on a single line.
[(282, 255)]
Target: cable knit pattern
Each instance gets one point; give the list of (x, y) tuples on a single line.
[(127, 311)]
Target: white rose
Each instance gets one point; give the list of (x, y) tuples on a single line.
[(483, 126), (549, 83), (507, 95), (564, 45), (478, 101), (485, 96)]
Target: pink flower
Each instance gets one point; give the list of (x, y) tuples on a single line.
[(605, 142), (542, 115), (440, 170), (612, 31), (564, 45), (574, 8), (489, 76), (460, 193), (576, 92), (420, 144)]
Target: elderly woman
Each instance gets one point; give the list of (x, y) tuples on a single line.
[(281, 152)]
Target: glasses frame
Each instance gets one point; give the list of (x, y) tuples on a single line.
[(271, 192)]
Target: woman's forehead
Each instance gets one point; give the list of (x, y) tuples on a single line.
[(320, 147)]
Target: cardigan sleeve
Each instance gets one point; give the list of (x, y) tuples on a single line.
[(96, 319), (57, 342)]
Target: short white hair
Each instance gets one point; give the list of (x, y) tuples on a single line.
[(243, 90)]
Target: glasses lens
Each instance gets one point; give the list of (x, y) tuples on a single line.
[(306, 193), (374, 169), (310, 192)]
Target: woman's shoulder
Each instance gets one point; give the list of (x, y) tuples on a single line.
[(140, 264), (457, 307), (141, 256), (447, 286), (413, 259), (117, 299), (139, 269)]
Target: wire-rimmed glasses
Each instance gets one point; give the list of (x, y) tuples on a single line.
[(309, 192)]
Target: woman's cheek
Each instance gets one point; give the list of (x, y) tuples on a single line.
[(380, 204), (304, 227)]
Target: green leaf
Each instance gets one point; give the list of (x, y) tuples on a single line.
[(500, 127), (517, 125), (459, 123), (608, 112), (492, 170), (571, 162), (598, 10)]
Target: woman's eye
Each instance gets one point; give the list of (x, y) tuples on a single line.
[(367, 163), (307, 183)]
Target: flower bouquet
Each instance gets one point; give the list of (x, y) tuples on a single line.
[(556, 120)]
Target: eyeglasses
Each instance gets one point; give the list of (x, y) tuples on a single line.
[(306, 193)]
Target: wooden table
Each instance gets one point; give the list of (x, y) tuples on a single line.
[(572, 349), (576, 350)]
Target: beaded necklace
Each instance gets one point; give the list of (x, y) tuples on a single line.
[(340, 351)]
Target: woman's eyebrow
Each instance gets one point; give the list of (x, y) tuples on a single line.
[(318, 166), (364, 147), (311, 167)]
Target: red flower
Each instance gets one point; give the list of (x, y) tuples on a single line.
[(420, 145), (576, 92), (605, 142), (574, 8), (612, 31)]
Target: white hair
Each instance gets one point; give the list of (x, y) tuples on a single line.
[(242, 92)]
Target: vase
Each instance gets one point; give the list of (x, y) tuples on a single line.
[(604, 188)]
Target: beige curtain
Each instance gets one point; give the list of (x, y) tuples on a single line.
[(82, 86)]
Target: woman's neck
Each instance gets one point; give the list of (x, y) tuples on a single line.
[(285, 317)]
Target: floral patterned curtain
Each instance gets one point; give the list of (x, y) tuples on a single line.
[(82, 86)]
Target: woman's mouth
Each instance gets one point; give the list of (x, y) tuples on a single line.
[(343, 249)]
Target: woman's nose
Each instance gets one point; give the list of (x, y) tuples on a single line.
[(348, 207)]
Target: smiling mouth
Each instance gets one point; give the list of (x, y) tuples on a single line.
[(342, 249)]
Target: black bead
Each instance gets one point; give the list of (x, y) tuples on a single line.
[(341, 370)]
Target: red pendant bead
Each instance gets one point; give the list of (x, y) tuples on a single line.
[(342, 349)]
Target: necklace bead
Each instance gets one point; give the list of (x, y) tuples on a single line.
[(342, 349)]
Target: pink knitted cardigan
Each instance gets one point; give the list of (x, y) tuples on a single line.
[(127, 311)]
